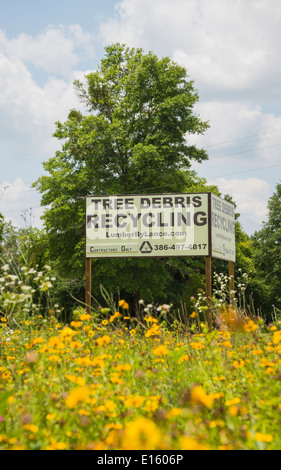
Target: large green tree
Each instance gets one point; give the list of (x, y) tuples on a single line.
[(132, 138), (267, 252)]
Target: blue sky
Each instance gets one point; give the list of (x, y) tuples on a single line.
[(230, 48), (32, 16)]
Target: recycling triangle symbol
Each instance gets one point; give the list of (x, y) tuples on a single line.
[(146, 247)]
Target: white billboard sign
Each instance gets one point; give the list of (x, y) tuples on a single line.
[(147, 225), (222, 229), (150, 225)]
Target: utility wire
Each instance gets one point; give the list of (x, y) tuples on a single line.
[(7, 192), (155, 187), (243, 151), (242, 138)]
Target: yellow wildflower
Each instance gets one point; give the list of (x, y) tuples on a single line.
[(238, 364), (54, 358), (76, 380), (38, 340), (250, 325), (217, 423), (256, 352), (233, 401), (277, 337), (55, 342), (115, 379), (188, 443), (108, 406), (174, 412), (5, 375), (122, 367), (225, 334), (233, 410), (115, 315), (67, 333), (197, 346), (134, 401), (141, 434), (185, 357), (76, 344), (160, 350), (51, 416), (198, 395), (85, 361), (112, 439), (85, 317), (123, 304), (151, 319), (31, 427), (153, 331), (263, 437), (54, 445), (103, 340), (77, 395)]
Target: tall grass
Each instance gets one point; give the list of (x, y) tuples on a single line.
[(116, 380)]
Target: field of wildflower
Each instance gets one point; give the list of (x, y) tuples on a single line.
[(111, 380)]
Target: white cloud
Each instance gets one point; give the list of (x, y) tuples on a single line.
[(251, 196), (19, 203), (226, 45), (231, 51), (55, 50), (228, 120), (28, 111)]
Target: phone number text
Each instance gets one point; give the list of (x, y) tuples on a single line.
[(181, 246)]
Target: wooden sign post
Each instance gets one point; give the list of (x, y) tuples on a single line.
[(209, 290), (88, 287), (231, 280)]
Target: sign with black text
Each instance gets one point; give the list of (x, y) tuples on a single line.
[(223, 229), (147, 225), (191, 224)]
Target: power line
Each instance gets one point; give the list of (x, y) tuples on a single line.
[(163, 186), (7, 192), (242, 138), (212, 177), (245, 171), (19, 192), (244, 151)]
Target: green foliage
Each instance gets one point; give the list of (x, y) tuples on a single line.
[(267, 252)]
